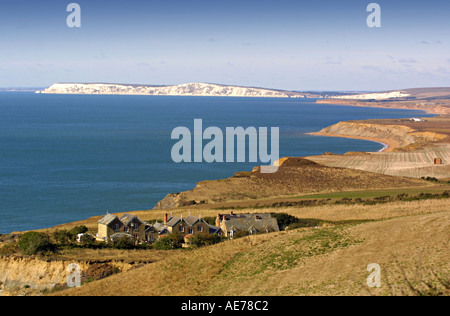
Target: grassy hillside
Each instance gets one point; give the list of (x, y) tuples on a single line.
[(295, 176), (409, 240)]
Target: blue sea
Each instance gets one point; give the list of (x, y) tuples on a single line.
[(69, 157)]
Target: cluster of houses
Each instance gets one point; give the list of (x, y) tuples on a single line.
[(111, 227)]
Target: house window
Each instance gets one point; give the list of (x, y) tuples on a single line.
[(200, 228), (191, 231), (182, 228), (136, 226), (116, 227)]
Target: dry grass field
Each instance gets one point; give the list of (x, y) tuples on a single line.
[(409, 240)]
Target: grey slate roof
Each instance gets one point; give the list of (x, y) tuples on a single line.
[(158, 226), (107, 219), (214, 229), (128, 218), (245, 222), (173, 221), (191, 220)]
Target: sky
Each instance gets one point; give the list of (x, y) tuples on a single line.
[(299, 45)]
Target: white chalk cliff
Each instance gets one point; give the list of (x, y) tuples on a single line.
[(375, 96), (188, 89)]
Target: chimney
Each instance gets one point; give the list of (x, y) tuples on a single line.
[(218, 220), (165, 218)]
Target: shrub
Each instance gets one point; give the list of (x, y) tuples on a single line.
[(240, 234), (284, 220), (172, 241), (8, 249), (432, 179), (123, 243), (32, 243), (62, 237), (87, 240), (74, 232), (205, 240)]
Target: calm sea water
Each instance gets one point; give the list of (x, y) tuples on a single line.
[(65, 158)]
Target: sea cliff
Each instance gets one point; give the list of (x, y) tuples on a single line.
[(395, 136), (188, 89), (32, 275)]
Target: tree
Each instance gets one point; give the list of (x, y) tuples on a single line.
[(32, 243)]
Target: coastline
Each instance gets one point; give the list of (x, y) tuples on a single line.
[(385, 147), (389, 144)]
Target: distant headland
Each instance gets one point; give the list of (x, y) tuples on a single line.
[(187, 89)]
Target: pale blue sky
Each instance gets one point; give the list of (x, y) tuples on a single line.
[(295, 45)]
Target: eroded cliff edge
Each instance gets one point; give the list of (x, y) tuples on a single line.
[(396, 136), (33, 276)]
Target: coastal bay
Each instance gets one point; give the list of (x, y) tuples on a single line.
[(92, 154)]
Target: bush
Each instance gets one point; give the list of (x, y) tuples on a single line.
[(432, 179), (205, 240), (172, 241), (87, 240), (8, 249), (241, 233), (124, 243), (33, 243), (284, 220), (62, 237), (74, 232)]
